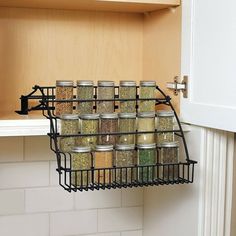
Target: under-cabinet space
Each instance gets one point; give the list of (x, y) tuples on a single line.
[(97, 5)]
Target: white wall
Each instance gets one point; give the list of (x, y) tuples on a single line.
[(173, 210), (32, 204)]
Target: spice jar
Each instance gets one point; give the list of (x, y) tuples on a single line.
[(81, 166), (69, 126), (168, 153), (165, 121), (127, 123), (64, 91), (85, 91), (124, 157), (89, 124), (103, 159), (127, 90), (105, 90), (109, 124), (147, 158), (147, 90), (146, 122)]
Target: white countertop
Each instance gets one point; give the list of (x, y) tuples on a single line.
[(33, 126)]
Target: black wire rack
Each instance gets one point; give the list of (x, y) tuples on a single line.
[(114, 177)]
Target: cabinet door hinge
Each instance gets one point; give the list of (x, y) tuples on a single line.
[(178, 86)]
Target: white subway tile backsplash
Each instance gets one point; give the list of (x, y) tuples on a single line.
[(25, 225), (37, 149), (132, 197), (11, 149), (48, 199), (132, 233), (11, 202), (17, 175), (120, 219), (54, 179), (98, 199), (73, 223)]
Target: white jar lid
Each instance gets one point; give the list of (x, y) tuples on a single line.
[(106, 83), (69, 117), (125, 147), (146, 114), (81, 149), (85, 83), (127, 83), (146, 83), (103, 148), (165, 113), (127, 115), (67, 83), (109, 116), (146, 146), (89, 116), (168, 144)]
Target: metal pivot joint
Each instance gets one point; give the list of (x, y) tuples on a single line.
[(178, 86)]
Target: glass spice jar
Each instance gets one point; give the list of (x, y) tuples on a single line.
[(146, 122), (127, 90), (105, 90), (168, 153), (89, 124), (108, 124), (85, 91), (124, 157), (147, 155), (127, 123), (81, 166), (165, 121), (69, 126), (147, 90), (64, 91), (103, 159)]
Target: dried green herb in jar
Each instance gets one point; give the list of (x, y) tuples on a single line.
[(81, 166), (109, 124), (103, 162), (64, 91), (85, 91), (69, 126), (89, 125), (105, 91), (147, 156), (127, 90), (147, 90), (146, 122), (165, 122), (124, 157), (127, 123), (168, 153)]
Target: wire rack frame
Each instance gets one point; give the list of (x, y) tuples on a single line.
[(113, 177)]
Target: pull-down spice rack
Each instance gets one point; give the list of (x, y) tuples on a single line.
[(45, 96)]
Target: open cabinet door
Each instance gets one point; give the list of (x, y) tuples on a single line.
[(209, 60)]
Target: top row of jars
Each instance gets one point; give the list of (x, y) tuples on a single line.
[(104, 96)]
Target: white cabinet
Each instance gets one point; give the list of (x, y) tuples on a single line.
[(208, 58)]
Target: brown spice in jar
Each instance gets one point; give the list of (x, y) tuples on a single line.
[(64, 93), (103, 159)]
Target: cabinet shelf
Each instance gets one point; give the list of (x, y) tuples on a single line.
[(137, 6)]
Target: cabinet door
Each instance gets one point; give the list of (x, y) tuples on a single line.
[(209, 59)]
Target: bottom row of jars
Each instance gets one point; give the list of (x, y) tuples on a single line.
[(111, 165)]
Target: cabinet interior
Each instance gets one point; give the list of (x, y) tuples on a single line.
[(40, 46)]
